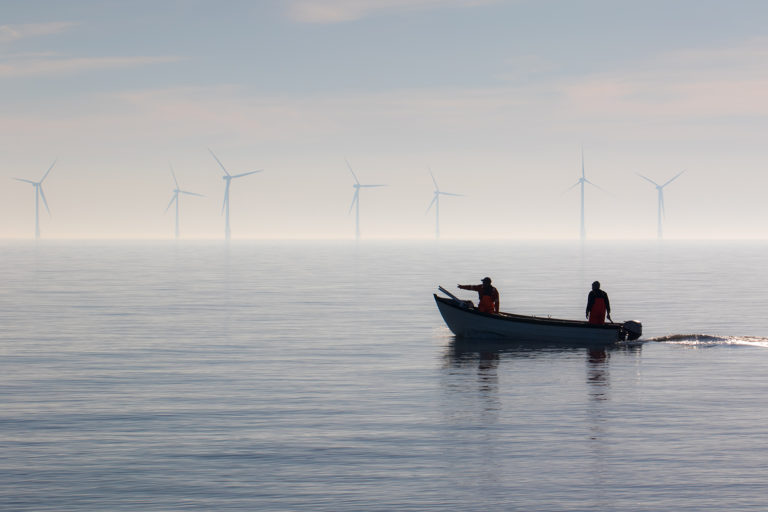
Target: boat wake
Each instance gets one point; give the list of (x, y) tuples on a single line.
[(707, 340)]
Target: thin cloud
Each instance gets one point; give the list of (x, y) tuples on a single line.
[(337, 11), (691, 84), (10, 33), (47, 64), (682, 95)]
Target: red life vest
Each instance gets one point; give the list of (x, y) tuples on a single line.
[(597, 313)]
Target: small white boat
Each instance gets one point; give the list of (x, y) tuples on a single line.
[(465, 321)]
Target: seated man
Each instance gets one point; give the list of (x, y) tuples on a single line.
[(488, 295)]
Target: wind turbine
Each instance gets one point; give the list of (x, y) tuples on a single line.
[(175, 199), (581, 182), (436, 202), (660, 189), (356, 200), (38, 186), (228, 180)]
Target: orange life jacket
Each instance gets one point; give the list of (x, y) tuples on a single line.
[(487, 302)]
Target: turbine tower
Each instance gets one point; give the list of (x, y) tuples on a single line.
[(227, 182), (175, 199), (436, 202), (660, 189), (38, 186), (582, 181), (356, 200)]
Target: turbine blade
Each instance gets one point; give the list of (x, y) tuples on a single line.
[(434, 200), (175, 197), (353, 172), (450, 194), (597, 187), (174, 175), (219, 162), (190, 193), (661, 202), (46, 172), (246, 173), (434, 180), (42, 194), (355, 198), (370, 186), (673, 179), (26, 181), (648, 179), (573, 186)]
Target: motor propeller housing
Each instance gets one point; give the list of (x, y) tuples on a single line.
[(632, 329)]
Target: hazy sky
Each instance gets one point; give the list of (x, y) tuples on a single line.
[(497, 97)]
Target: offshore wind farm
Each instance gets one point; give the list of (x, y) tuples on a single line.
[(355, 204), (501, 122)]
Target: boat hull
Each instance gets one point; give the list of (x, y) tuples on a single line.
[(467, 322)]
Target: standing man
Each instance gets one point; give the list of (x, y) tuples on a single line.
[(598, 305), (488, 295)]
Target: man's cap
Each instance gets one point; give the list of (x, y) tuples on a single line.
[(487, 279)]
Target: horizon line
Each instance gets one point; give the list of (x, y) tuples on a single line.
[(372, 239)]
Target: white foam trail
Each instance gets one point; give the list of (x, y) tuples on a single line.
[(710, 340)]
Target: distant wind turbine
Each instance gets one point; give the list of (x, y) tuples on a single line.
[(436, 203), (660, 189), (581, 182), (228, 180), (175, 199), (38, 186), (356, 200)]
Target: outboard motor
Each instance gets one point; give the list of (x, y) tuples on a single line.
[(631, 330)]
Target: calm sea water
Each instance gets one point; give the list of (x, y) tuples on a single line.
[(320, 377)]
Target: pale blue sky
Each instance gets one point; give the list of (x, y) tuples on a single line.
[(495, 96)]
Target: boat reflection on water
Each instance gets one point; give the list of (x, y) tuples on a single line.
[(597, 373), (539, 405), (460, 349), (535, 374), (487, 355)]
